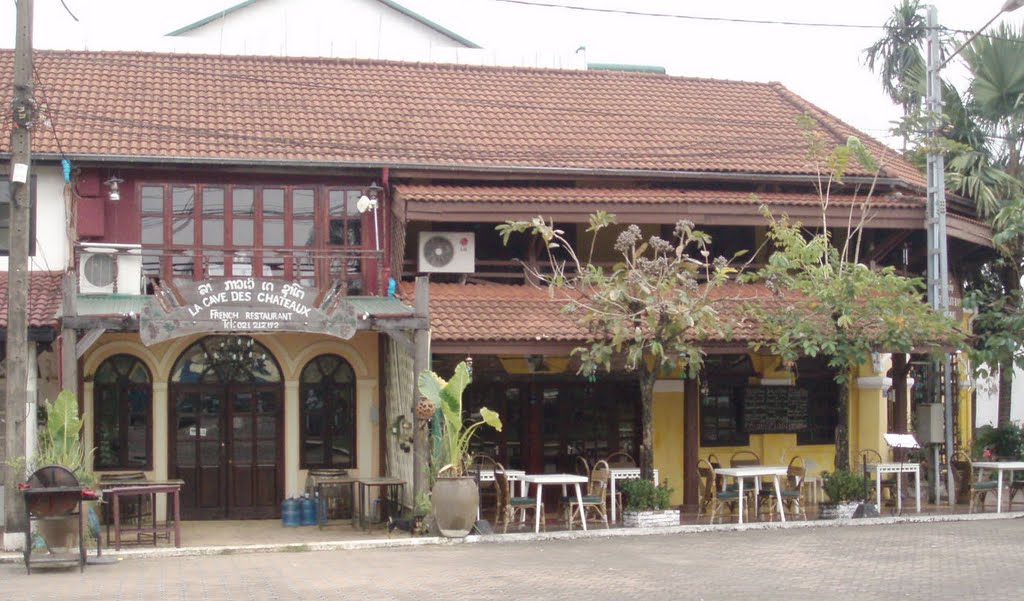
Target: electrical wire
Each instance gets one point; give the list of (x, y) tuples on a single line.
[(620, 11)]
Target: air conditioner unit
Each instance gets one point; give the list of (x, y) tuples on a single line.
[(447, 252), (110, 268)]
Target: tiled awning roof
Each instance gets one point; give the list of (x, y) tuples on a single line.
[(44, 298), (528, 315)]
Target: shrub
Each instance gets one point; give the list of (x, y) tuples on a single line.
[(643, 495), (1006, 441), (843, 486)]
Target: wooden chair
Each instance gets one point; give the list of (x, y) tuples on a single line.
[(712, 500), (508, 505), (596, 499), (715, 463), (791, 489), (134, 510), (961, 465)]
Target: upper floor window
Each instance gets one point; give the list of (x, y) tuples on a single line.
[(123, 398), (309, 234)]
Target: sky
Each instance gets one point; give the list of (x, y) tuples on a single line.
[(825, 65)]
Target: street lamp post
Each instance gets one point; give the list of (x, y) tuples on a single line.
[(938, 252)]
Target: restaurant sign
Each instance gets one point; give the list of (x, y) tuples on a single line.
[(248, 305)]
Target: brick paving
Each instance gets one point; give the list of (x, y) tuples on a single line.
[(927, 561)]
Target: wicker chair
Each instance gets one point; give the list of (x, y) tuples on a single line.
[(744, 458), (596, 499), (621, 459), (488, 495), (508, 505), (869, 457), (712, 499), (1016, 486), (791, 490), (979, 486)]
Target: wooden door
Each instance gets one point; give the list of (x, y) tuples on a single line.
[(254, 452), (197, 450), (226, 446)]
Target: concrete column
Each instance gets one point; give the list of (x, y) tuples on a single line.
[(293, 485), (669, 441)]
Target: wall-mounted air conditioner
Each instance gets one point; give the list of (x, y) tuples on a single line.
[(109, 268), (447, 252)]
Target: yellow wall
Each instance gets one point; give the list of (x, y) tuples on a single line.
[(292, 351), (668, 418)]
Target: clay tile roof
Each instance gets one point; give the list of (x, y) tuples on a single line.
[(309, 111), (522, 313), (566, 195), (44, 298)]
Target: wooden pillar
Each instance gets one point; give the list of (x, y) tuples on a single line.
[(900, 370), (691, 441)]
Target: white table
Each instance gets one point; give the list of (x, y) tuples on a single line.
[(897, 468), (564, 479), (999, 467), (756, 471), (624, 473)]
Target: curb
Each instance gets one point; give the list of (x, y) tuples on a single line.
[(531, 537)]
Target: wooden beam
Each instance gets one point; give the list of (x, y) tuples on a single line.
[(113, 323), (87, 341)]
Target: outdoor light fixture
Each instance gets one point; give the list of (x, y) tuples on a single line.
[(114, 186), (369, 202)]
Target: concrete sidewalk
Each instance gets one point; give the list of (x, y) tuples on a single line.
[(335, 540)]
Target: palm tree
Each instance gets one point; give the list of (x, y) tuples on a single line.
[(899, 57)]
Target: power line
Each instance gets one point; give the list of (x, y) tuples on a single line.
[(638, 13)]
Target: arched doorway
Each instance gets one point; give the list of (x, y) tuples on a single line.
[(226, 434)]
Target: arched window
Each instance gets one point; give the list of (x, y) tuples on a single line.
[(123, 423), (327, 393), (225, 360)]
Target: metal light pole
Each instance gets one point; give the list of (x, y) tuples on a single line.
[(938, 252)]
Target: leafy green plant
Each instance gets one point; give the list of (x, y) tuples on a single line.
[(453, 450), (643, 495), (60, 441), (843, 486), (1005, 442)]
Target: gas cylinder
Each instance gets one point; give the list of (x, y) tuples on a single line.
[(290, 513)]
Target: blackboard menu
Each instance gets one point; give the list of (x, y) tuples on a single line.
[(774, 409)]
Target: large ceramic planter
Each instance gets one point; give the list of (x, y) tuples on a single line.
[(455, 501), (837, 511), (650, 519)]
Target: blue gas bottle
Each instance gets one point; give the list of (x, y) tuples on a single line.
[(290, 515), (308, 509)]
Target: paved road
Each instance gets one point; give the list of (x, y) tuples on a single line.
[(935, 561)]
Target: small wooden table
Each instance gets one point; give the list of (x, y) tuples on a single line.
[(171, 488), (564, 479)]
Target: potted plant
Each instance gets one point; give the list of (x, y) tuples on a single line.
[(845, 490), (59, 443), (454, 495), (647, 505)]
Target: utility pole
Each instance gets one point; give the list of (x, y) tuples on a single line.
[(17, 277), (938, 252)]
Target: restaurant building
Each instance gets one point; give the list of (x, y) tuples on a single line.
[(246, 230)]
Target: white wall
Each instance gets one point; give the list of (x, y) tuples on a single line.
[(353, 28), (987, 400), (53, 251)]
